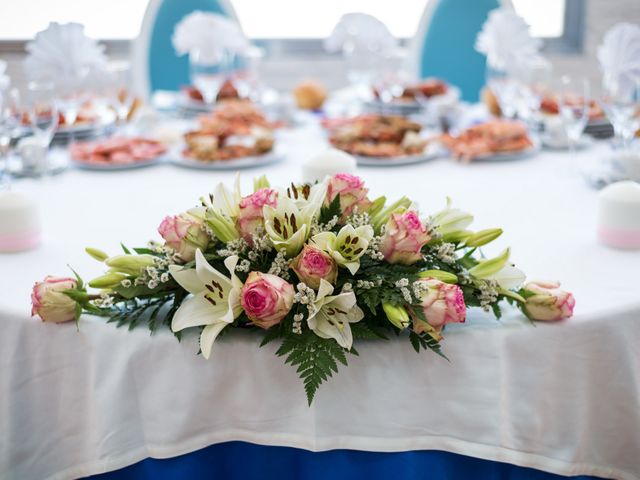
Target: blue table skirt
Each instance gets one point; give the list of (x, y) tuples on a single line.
[(246, 461)]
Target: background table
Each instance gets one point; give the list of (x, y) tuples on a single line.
[(564, 398)]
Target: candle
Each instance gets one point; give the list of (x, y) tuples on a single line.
[(19, 222), (327, 163), (619, 215)]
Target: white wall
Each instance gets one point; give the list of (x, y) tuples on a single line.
[(283, 73)]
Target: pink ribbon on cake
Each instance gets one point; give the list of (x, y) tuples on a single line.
[(16, 242), (619, 238)]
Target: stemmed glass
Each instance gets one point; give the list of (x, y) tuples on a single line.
[(119, 92), (574, 106), (71, 96), (43, 119), (10, 124), (394, 76), (209, 69), (505, 87), (621, 103), (246, 76)]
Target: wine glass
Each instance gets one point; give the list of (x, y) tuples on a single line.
[(246, 77), (72, 94), (208, 70), (505, 88), (10, 125), (43, 118), (119, 93), (394, 76), (574, 105), (621, 103)]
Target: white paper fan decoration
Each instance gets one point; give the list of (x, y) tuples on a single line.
[(619, 55), (208, 33), (507, 43), (361, 30), (63, 52)]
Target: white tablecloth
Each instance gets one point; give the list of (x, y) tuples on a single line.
[(564, 397)]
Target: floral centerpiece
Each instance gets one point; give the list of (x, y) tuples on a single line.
[(317, 267)]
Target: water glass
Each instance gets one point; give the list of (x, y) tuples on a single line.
[(10, 126), (43, 116), (574, 105), (118, 91)]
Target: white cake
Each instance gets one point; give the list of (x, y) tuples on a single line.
[(19, 222), (328, 163), (619, 215)]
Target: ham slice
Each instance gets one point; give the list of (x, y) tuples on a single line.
[(116, 150)]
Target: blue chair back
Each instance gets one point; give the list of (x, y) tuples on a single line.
[(167, 71), (448, 46)]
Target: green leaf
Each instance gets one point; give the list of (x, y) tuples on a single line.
[(315, 359), (330, 211), (271, 334), (125, 249)]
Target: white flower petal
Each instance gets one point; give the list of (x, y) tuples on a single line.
[(208, 336), (207, 273), (324, 241), (187, 278), (324, 290), (509, 277), (196, 311), (336, 327), (234, 308), (353, 267)]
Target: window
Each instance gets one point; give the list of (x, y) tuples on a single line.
[(557, 21)]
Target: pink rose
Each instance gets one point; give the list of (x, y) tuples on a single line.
[(352, 193), (266, 299), (403, 239), (185, 234), (312, 264), (547, 302), (441, 303), (250, 217), (49, 303)]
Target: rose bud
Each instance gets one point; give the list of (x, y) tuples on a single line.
[(250, 216), (403, 239), (185, 234), (441, 303), (352, 193), (312, 264), (547, 302), (266, 299), (49, 303)]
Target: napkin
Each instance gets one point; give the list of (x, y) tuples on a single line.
[(507, 43), (619, 56), (208, 33), (361, 31), (5, 81), (63, 52)]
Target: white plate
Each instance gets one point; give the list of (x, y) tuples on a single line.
[(400, 107), (508, 156), (114, 167), (433, 151), (584, 141), (237, 163)]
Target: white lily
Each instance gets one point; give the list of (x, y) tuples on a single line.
[(451, 220), (330, 315), (288, 225), (215, 302), (347, 247), (509, 277)]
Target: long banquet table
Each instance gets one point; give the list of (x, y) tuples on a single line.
[(562, 398)]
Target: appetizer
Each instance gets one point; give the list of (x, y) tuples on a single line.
[(237, 129), (377, 136), (486, 139)]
